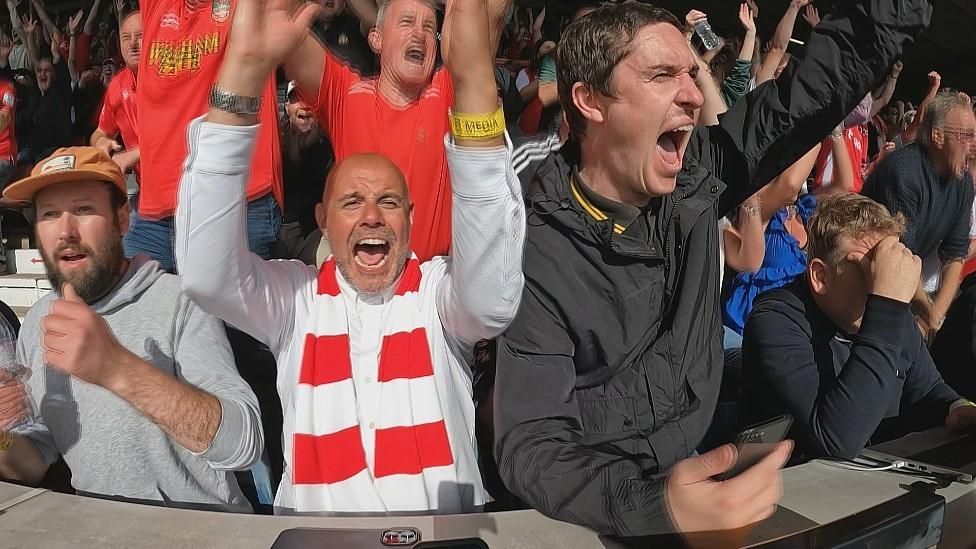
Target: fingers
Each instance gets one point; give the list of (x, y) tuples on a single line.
[(762, 506), (703, 467), (307, 14), (757, 478)]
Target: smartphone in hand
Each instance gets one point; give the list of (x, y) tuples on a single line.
[(757, 442)]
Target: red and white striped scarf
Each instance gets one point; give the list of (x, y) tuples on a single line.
[(413, 454)]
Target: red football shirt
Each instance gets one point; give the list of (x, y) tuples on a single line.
[(183, 49), (359, 119), (118, 114), (82, 50), (856, 139), (8, 104)]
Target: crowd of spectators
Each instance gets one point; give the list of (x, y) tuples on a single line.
[(566, 265)]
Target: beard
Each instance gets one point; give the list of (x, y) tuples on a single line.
[(371, 285), (93, 282)]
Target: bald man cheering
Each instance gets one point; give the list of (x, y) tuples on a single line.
[(372, 349)]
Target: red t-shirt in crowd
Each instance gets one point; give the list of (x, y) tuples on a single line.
[(8, 104), (82, 50), (183, 49), (359, 119), (856, 139), (118, 113)]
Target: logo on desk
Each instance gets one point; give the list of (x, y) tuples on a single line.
[(400, 537)]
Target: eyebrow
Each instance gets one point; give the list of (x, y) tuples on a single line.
[(666, 67)]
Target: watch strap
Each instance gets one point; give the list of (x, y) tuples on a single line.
[(233, 103)]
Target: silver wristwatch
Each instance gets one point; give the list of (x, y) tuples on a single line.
[(232, 103)]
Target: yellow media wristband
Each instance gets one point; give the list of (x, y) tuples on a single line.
[(477, 126), (6, 440)]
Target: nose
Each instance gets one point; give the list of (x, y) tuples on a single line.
[(689, 96), (68, 228), (372, 216)]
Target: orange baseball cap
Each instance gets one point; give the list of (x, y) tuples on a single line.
[(66, 165)]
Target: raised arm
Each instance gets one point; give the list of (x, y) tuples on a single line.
[(935, 82), (93, 18), (776, 124), (780, 41), (365, 11), (49, 27), (488, 230), (28, 27), (714, 105), (217, 269), (882, 96)]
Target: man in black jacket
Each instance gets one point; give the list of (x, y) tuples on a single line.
[(609, 375), (839, 349)]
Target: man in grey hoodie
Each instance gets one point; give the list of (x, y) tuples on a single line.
[(131, 382)]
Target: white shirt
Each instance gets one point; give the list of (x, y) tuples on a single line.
[(472, 295), (932, 265)]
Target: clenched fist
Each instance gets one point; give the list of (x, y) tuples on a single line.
[(78, 342)]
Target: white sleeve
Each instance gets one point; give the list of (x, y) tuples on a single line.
[(481, 293), (219, 272), (972, 222), (522, 80)]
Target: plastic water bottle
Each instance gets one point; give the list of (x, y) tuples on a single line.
[(10, 366), (707, 35)]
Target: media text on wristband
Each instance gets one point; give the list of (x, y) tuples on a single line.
[(477, 126)]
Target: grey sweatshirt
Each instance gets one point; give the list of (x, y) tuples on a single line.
[(113, 450)]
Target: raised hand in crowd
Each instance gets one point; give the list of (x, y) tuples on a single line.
[(694, 17), (55, 50), (74, 23), (466, 47), (897, 68), (754, 8), (262, 34), (890, 269), (28, 24), (713, 513), (6, 46), (748, 20), (812, 15), (14, 403)]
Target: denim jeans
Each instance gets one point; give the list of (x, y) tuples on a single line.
[(155, 238)]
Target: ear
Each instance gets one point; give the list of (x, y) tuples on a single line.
[(320, 216), (124, 218), (375, 40), (410, 210), (588, 103), (938, 138), (817, 276)]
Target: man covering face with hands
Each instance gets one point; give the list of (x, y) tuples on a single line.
[(132, 383)]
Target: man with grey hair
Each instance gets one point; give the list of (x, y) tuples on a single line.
[(929, 183), (401, 114)]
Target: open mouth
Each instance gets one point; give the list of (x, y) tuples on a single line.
[(72, 259), (371, 253), (416, 54), (669, 145), (304, 116)]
